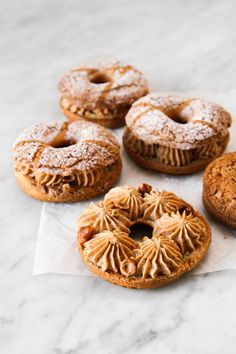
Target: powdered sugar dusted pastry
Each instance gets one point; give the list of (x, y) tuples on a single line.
[(62, 161), (101, 92), (175, 135), (219, 189), (180, 238)]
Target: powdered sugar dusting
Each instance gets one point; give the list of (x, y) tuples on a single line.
[(80, 157), (84, 131), (43, 132), (26, 152), (152, 125), (83, 156), (169, 133), (208, 112), (126, 85), (165, 102)]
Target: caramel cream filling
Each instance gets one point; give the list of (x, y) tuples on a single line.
[(111, 251), (209, 150), (125, 198), (171, 156), (174, 157), (101, 217), (185, 229), (97, 113), (63, 183), (158, 256), (158, 203), (140, 147), (177, 232)]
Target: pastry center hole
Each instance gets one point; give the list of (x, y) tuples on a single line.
[(139, 230), (62, 144), (176, 117), (99, 77)]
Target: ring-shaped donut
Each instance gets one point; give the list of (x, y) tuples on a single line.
[(175, 135), (60, 161), (101, 92), (180, 238)]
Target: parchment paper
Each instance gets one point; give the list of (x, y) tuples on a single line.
[(56, 244)]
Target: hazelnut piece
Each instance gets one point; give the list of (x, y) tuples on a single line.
[(128, 267), (65, 103), (73, 108), (144, 188), (187, 209), (85, 233)]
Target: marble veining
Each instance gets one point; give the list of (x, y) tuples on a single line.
[(180, 46)]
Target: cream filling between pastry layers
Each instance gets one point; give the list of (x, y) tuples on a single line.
[(96, 113), (172, 156), (58, 183)]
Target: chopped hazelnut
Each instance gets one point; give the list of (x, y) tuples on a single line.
[(187, 209), (66, 187), (73, 109), (85, 234), (65, 103), (144, 188), (128, 267)]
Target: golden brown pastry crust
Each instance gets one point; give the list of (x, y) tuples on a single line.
[(219, 189), (175, 135), (61, 162), (101, 92), (181, 237)]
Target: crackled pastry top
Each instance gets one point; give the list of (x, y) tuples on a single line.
[(219, 185), (63, 148), (178, 233), (122, 84), (181, 123)]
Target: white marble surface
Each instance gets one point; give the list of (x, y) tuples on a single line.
[(180, 45)]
